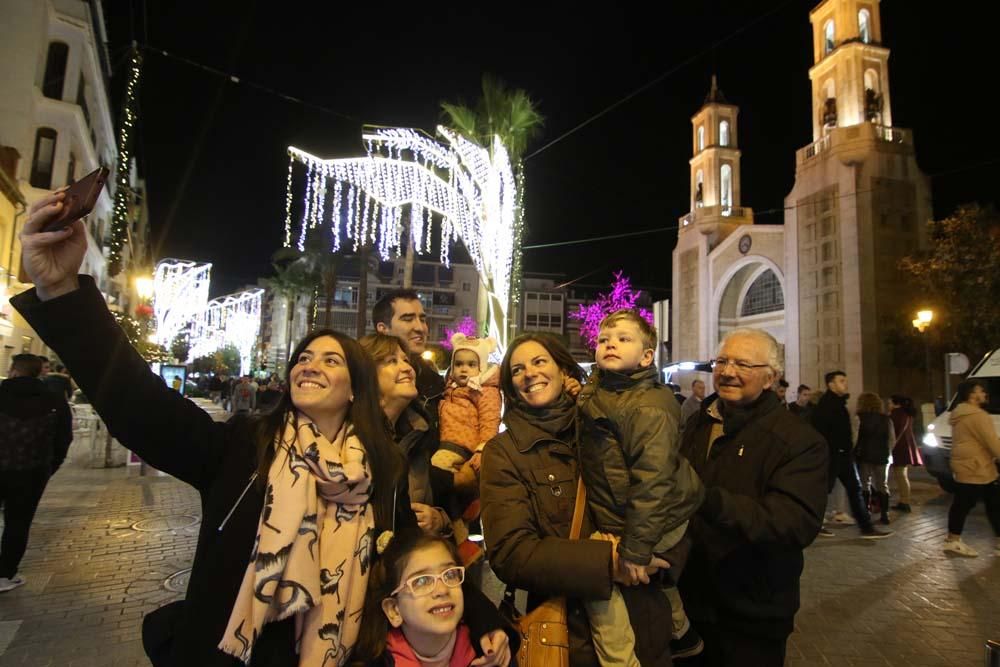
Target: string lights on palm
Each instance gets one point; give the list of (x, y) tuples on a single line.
[(469, 190)]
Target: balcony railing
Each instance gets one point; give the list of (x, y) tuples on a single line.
[(838, 135), (713, 211)]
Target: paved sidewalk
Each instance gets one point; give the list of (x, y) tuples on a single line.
[(108, 546)]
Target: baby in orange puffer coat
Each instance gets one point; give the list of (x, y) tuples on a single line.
[(470, 409)]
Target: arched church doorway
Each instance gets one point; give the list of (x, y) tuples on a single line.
[(752, 296)]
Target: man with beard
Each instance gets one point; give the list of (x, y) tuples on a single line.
[(765, 474), (833, 422), (399, 313)]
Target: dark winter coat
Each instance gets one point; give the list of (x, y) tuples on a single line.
[(418, 440), (639, 487), (174, 435), (765, 476), (59, 384), (430, 389), (832, 421), (875, 438), (528, 491), (36, 426)]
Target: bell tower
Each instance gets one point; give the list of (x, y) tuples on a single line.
[(850, 74), (859, 204), (715, 170), (716, 212)]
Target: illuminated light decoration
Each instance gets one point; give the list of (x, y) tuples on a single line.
[(180, 292), (233, 319), (621, 297), (123, 191), (466, 326), (471, 189)]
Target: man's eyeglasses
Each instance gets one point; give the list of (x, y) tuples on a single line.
[(423, 584), (742, 367)]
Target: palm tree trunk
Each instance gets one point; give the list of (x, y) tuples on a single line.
[(288, 331), (330, 282), (363, 293), (483, 310), (408, 262), (311, 315)]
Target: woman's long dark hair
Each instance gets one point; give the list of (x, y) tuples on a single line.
[(365, 416), (904, 402), (387, 572), (560, 355)]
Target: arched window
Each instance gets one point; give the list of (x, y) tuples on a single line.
[(726, 182), (864, 26), (45, 151), (764, 296), (873, 99), (699, 189), (724, 133), (828, 42), (55, 70), (829, 112), (701, 137)]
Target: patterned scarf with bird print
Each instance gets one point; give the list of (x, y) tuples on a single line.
[(312, 555)]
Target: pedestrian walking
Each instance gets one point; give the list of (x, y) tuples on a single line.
[(905, 452), (875, 437), (975, 449), (36, 429)]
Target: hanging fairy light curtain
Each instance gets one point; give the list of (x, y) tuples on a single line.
[(468, 189), (233, 319), (180, 302), (180, 292)]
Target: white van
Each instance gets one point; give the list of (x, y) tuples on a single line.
[(936, 447)]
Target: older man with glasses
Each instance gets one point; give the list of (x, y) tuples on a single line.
[(765, 473)]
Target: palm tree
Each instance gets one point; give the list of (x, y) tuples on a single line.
[(317, 262), (510, 114), (290, 282), (513, 116)]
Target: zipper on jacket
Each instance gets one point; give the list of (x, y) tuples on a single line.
[(222, 525)]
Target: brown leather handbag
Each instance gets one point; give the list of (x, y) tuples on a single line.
[(544, 632)]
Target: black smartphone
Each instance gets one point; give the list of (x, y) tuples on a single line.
[(80, 199)]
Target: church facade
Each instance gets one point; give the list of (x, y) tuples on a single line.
[(825, 282)]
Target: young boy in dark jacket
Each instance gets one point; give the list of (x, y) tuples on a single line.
[(640, 489)]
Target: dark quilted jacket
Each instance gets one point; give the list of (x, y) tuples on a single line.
[(36, 426), (638, 484)]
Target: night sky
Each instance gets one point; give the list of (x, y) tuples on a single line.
[(213, 152)]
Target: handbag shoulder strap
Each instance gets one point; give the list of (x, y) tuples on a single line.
[(578, 510), (909, 424)]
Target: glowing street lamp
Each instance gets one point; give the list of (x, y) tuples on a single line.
[(924, 319), (144, 287)]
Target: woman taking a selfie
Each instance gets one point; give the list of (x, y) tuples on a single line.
[(292, 501)]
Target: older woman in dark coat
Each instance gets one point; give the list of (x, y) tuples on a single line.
[(528, 491)]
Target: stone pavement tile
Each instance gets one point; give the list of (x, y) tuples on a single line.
[(868, 662), (8, 630)]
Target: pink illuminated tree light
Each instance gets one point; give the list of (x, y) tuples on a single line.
[(466, 325), (622, 297)]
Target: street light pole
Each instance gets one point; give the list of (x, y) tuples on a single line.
[(922, 321)]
